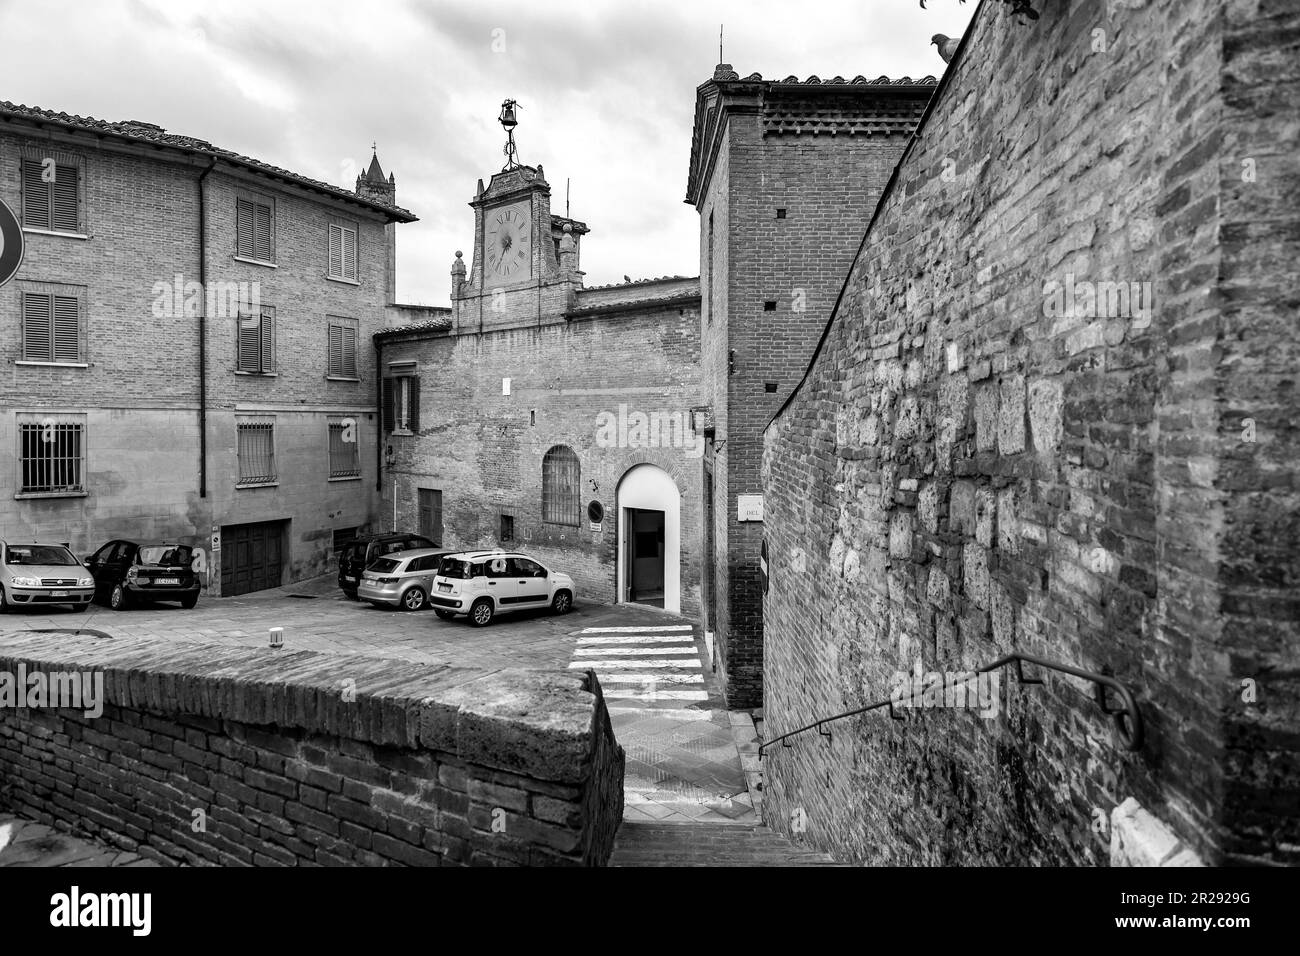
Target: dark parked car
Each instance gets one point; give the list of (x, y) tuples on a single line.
[(359, 554), (129, 573)]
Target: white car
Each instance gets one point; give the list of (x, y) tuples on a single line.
[(483, 584), (32, 574)]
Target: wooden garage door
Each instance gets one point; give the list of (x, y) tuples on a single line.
[(251, 557)]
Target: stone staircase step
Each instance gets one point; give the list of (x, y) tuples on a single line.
[(695, 844)]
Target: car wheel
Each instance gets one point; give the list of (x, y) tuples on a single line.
[(413, 599), (4, 602), (445, 615), (189, 602), (563, 602), (480, 615), (119, 600)]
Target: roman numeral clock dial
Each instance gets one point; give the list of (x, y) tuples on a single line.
[(509, 242)]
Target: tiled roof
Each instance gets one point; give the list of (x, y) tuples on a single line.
[(429, 325), (142, 132), (637, 294), (632, 282)]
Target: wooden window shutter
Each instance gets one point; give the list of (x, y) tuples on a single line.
[(335, 349), (349, 254), (349, 350), (336, 251), (37, 326), (66, 331), (262, 237), (387, 405), (413, 412), (250, 339), (268, 342), (64, 205), (244, 230), (36, 197)]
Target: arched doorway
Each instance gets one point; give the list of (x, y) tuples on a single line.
[(649, 539)]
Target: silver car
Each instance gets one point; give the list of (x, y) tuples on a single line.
[(403, 579), (32, 574)]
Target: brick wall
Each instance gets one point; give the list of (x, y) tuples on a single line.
[(970, 469), (140, 386), (213, 756), (484, 450), (827, 186)]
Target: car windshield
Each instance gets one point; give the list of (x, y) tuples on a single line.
[(167, 555), (385, 564), (456, 568), (46, 554)]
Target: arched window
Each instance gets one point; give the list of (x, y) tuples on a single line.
[(561, 486)]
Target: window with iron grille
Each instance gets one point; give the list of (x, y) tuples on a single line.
[(401, 404), (343, 537), (255, 341), (561, 486), (345, 462), (51, 454), (343, 252), (53, 205), (51, 328), (256, 452), (255, 230), (342, 348)]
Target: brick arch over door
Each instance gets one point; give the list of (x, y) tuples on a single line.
[(650, 487)]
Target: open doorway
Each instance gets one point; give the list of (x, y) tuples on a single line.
[(645, 557), (649, 538)]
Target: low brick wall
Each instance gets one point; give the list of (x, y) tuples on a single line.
[(212, 755)]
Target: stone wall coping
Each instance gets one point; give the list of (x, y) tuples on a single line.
[(535, 723)]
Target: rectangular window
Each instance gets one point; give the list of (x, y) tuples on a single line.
[(254, 230), (343, 252), (401, 404), (51, 328), (345, 462), (51, 196), (256, 452), (507, 527), (51, 454), (342, 348), (343, 537), (431, 515), (256, 341)]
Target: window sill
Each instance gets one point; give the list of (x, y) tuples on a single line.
[(341, 378), (51, 364), (51, 232), (402, 433), (273, 483), (257, 262), (51, 494), (343, 280), (345, 478), (258, 374)]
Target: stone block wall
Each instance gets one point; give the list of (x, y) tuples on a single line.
[(1026, 429), (207, 755)]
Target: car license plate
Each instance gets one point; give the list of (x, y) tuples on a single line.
[(58, 594), (444, 587), (349, 579), (167, 581)]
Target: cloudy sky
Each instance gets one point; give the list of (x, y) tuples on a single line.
[(606, 91)]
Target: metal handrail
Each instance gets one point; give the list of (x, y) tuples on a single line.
[(1126, 718)]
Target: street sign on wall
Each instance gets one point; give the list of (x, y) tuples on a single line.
[(749, 507), (11, 243)]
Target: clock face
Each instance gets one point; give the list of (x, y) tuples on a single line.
[(509, 242)]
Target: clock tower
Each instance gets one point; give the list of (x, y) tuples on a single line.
[(524, 268)]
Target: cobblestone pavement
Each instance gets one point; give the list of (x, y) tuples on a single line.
[(681, 743), (24, 843)]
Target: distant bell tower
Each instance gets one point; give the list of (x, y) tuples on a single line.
[(373, 186)]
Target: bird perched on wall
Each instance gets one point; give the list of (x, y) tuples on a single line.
[(947, 46)]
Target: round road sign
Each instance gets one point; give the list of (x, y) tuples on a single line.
[(11, 243)]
